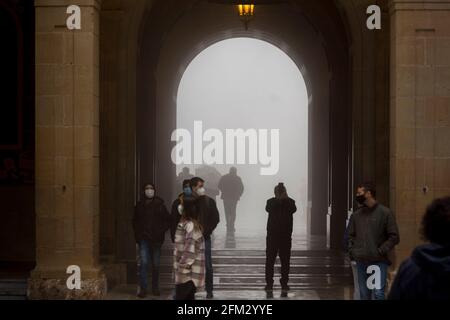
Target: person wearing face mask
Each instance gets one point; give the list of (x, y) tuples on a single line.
[(209, 219), (177, 207), (373, 233), (151, 221)]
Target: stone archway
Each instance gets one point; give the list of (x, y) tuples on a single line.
[(247, 84), (131, 38), (168, 45), (133, 30), (134, 35)]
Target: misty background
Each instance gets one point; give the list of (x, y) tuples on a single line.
[(251, 84)]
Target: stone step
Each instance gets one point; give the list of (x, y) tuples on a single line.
[(294, 280), (255, 260), (238, 269), (13, 289), (262, 253), (260, 269)]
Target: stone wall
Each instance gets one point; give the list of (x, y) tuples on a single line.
[(420, 112), (67, 150)]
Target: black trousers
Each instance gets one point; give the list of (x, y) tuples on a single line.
[(278, 246), (185, 291), (230, 213)]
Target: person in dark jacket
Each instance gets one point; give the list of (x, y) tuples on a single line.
[(209, 219), (426, 274), (373, 233), (232, 189), (151, 221), (177, 207), (279, 237)]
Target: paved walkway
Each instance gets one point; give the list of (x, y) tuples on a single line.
[(316, 272)]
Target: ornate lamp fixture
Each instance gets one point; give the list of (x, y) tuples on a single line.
[(246, 13)]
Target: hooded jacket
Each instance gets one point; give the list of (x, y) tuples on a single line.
[(424, 276), (151, 220)]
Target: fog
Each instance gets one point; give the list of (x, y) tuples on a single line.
[(251, 84)]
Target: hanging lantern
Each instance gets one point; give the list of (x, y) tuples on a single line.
[(246, 12)]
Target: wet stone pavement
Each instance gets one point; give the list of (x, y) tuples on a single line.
[(316, 272)]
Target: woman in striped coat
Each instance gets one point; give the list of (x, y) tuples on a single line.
[(189, 253)]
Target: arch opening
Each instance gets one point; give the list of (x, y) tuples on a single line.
[(248, 84)]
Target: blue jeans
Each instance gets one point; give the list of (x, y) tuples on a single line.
[(364, 291), (356, 295), (208, 267), (148, 254)]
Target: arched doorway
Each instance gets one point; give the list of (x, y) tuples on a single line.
[(170, 37), (317, 48), (250, 85), (325, 39)]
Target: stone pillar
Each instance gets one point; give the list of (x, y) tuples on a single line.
[(67, 152), (420, 113)]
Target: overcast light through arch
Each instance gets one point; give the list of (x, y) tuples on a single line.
[(251, 84)]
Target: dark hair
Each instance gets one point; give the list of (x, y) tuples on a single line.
[(191, 212), (280, 191), (148, 185), (195, 181), (369, 187), (186, 182), (436, 222)]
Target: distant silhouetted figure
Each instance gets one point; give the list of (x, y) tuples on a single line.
[(185, 174), (232, 189), (279, 237), (426, 274)]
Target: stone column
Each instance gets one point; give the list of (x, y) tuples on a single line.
[(67, 151), (420, 113)]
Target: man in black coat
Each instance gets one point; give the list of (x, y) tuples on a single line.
[(279, 237), (209, 219), (232, 189), (426, 274), (151, 221)]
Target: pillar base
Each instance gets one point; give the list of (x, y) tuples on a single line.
[(56, 289)]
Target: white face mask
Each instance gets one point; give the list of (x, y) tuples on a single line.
[(201, 191), (149, 193), (180, 209)]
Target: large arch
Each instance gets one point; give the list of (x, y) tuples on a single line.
[(250, 84), (145, 47), (319, 49)]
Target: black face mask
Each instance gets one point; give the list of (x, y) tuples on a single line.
[(361, 199)]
